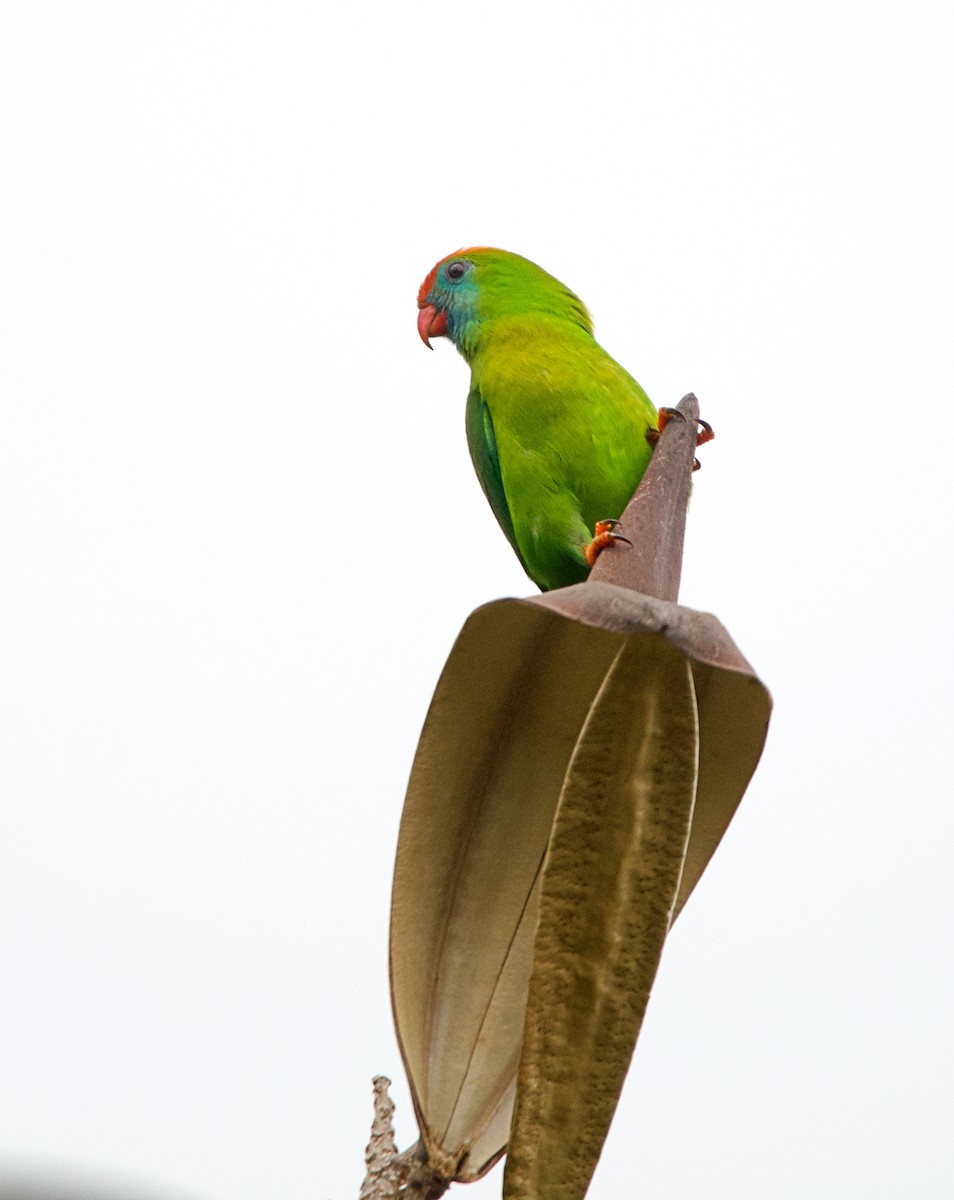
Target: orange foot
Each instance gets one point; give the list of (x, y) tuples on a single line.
[(603, 536), (705, 434)]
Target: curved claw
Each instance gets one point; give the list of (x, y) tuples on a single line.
[(603, 535), (666, 415)]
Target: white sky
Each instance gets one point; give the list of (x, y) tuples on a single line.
[(240, 531)]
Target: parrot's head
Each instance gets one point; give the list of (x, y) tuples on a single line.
[(467, 289)]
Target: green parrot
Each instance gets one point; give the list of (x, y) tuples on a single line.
[(557, 429)]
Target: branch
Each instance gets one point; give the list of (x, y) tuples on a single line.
[(391, 1175)]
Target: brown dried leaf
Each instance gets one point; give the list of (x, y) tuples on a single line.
[(526, 690), (609, 888)]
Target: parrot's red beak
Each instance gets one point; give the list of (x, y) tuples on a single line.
[(431, 323)]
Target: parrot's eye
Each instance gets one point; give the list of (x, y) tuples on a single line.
[(456, 270)]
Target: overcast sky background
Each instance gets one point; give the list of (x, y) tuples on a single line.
[(240, 531)]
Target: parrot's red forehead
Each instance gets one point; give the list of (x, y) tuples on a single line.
[(427, 285), (432, 274)]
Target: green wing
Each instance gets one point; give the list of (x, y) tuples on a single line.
[(482, 442), (556, 430)]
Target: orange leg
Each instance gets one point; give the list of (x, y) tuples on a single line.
[(603, 535), (665, 415)]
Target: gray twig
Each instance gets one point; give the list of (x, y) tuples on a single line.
[(390, 1175)]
